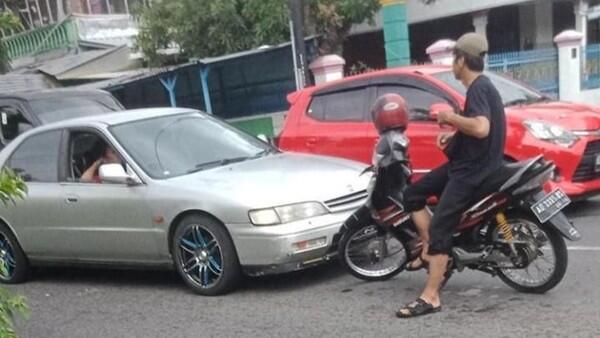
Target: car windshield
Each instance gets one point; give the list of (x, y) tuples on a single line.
[(55, 109), (512, 93), (181, 144)]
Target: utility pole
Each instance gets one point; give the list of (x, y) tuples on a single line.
[(298, 44)]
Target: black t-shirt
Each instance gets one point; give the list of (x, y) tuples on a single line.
[(469, 156)]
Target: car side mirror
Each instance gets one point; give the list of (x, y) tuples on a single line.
[(436, 108), (115, 173)]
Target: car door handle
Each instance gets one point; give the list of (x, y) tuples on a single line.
[(311, 141), (72, 199)]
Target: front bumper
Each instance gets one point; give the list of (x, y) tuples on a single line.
[(266, 250)]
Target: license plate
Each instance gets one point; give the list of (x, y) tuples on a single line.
[(597, 164), (550, 205)]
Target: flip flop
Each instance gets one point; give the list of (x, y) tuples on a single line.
[(417, 308)]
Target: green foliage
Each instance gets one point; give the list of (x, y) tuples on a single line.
[(334, 18), (11, 307), (7, 21), (11, 187), (207, 28)]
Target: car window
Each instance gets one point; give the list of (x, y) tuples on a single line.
[(348, 105), (176, 145), (36, 159), (510, 91), (87, 151), (62, 108), (418, 100), (12, 123)]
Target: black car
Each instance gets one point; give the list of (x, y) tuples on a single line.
[(20, 111)]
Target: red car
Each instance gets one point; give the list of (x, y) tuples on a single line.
[(333, 119)]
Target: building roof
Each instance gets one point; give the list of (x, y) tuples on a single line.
[(10, 83), (25, 94)]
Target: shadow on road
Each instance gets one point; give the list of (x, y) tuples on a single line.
[(148, 278)]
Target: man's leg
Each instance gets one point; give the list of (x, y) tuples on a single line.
[(453, 201), (416, 196)]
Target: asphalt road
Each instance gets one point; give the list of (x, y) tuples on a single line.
[(321, 302)]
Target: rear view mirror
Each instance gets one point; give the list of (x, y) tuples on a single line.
[(436, 108)]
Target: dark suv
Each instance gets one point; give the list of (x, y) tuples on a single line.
[(20, 111)]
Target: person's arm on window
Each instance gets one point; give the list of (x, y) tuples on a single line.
[(90, 172)]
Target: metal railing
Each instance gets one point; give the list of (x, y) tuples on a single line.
[(591, 74), (537, 68), (51, 37)]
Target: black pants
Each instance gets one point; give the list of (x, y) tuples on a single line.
[(455, 196)]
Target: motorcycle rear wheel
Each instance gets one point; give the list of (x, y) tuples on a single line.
[(554, 256)]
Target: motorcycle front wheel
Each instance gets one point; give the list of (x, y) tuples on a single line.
[(371, 253)]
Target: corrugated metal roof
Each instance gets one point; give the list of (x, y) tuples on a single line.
[(64, 64), (10, 83)]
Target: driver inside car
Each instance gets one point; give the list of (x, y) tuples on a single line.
[(109, 156)]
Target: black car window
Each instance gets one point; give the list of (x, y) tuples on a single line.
[(12, 123), (36, 159), (348, 105), (418, 100)]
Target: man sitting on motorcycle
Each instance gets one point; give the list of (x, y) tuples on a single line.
[(475, 150)]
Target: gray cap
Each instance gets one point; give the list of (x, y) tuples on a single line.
[(472, 43)]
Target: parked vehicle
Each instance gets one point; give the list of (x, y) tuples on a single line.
[(332, 119), (191, 192), (513, 230), (21, 111)]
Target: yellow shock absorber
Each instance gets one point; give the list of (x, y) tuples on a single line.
[(504, 226)]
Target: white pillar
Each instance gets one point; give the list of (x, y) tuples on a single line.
[(480, 22), (441, 52), (543, 23), (327, 68), (581, 8), (569, 66)]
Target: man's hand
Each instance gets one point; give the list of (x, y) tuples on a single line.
[(443, 139), (445, 116)]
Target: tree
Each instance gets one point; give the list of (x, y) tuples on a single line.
[(12, 187), (7, 21), (205, 28), (333, 20)]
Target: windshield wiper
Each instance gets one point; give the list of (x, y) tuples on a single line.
[(219, 163)]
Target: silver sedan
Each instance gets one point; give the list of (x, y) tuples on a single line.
[(174, 188)]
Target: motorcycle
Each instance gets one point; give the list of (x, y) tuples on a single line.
[(513, 230)]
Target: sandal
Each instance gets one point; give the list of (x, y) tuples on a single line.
[(417, 308), (412, 266)]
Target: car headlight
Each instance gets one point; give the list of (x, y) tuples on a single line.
[(287, 213), (551, 133)]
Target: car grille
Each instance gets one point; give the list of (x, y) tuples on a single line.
[(347, 202), (586, 170)]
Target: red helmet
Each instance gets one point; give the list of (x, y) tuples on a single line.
[(389, 112)]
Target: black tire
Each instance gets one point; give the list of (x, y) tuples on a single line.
[(343, 256), (227, 260), (561, 259), (19, 269)]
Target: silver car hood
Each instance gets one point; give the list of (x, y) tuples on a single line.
[(279, 180)]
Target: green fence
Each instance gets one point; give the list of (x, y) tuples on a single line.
[(61, 35)]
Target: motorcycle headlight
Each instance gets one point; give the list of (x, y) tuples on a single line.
[(551, 133), (287, 213)]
